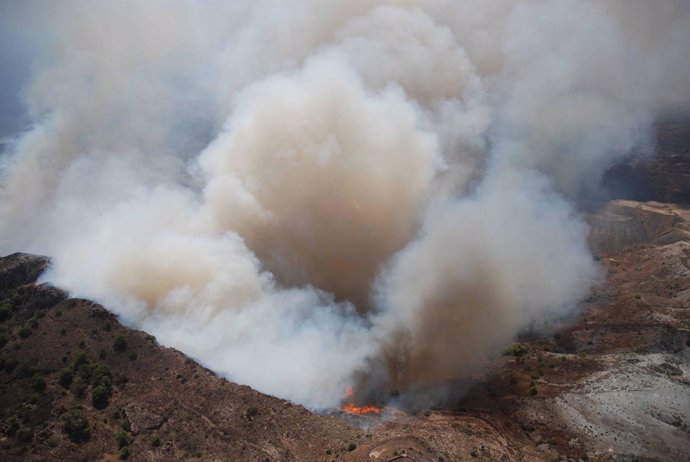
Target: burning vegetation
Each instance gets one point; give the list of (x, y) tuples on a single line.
[(349, 407)]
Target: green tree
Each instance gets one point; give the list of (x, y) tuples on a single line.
[(119, 344), (100, 396), (75, 425)]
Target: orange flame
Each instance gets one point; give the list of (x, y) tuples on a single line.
[(350, 408)]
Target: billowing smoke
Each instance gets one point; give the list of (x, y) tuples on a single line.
[(306, 196)]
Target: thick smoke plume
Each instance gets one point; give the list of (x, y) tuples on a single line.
[(306, 196)]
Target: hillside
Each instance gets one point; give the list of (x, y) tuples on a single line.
[(610, 385)]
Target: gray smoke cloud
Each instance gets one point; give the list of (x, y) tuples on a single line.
[(306, 196)]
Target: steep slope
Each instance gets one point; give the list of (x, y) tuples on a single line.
[(170, 407)]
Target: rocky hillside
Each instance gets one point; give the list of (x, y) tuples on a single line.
[(611, 384), (77, 385)]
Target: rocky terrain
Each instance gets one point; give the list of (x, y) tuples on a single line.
[(613, 385)]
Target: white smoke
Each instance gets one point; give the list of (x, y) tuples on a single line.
[(301, 195)]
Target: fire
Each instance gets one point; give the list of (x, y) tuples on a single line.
[(350, 408)]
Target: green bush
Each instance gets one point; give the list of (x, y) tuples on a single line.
[(80, 359), (65, 379), (155, 441), (100, 396), (38, 383), (5, 314), (119, 344), (251, 412), (78, 387), (101, 376), (122, 438), (75, 425), (25, 331), (124, 453)]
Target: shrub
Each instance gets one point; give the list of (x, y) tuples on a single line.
[(155, 441), (122, 438), (38, 383), (519, 350), (100, 396), (5, 314), (75, 425), (351, 447), (84, 372), (251, 413), (124, 453), (25, 331), (78, 387), (119, 344), (65, 379), (79, 359), (25, 435), (101, 376), (10, 365)]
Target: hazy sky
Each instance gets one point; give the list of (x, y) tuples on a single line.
[(14, 56)]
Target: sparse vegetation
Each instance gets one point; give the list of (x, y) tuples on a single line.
[(155, 441), (119, 344), (124, 453)]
